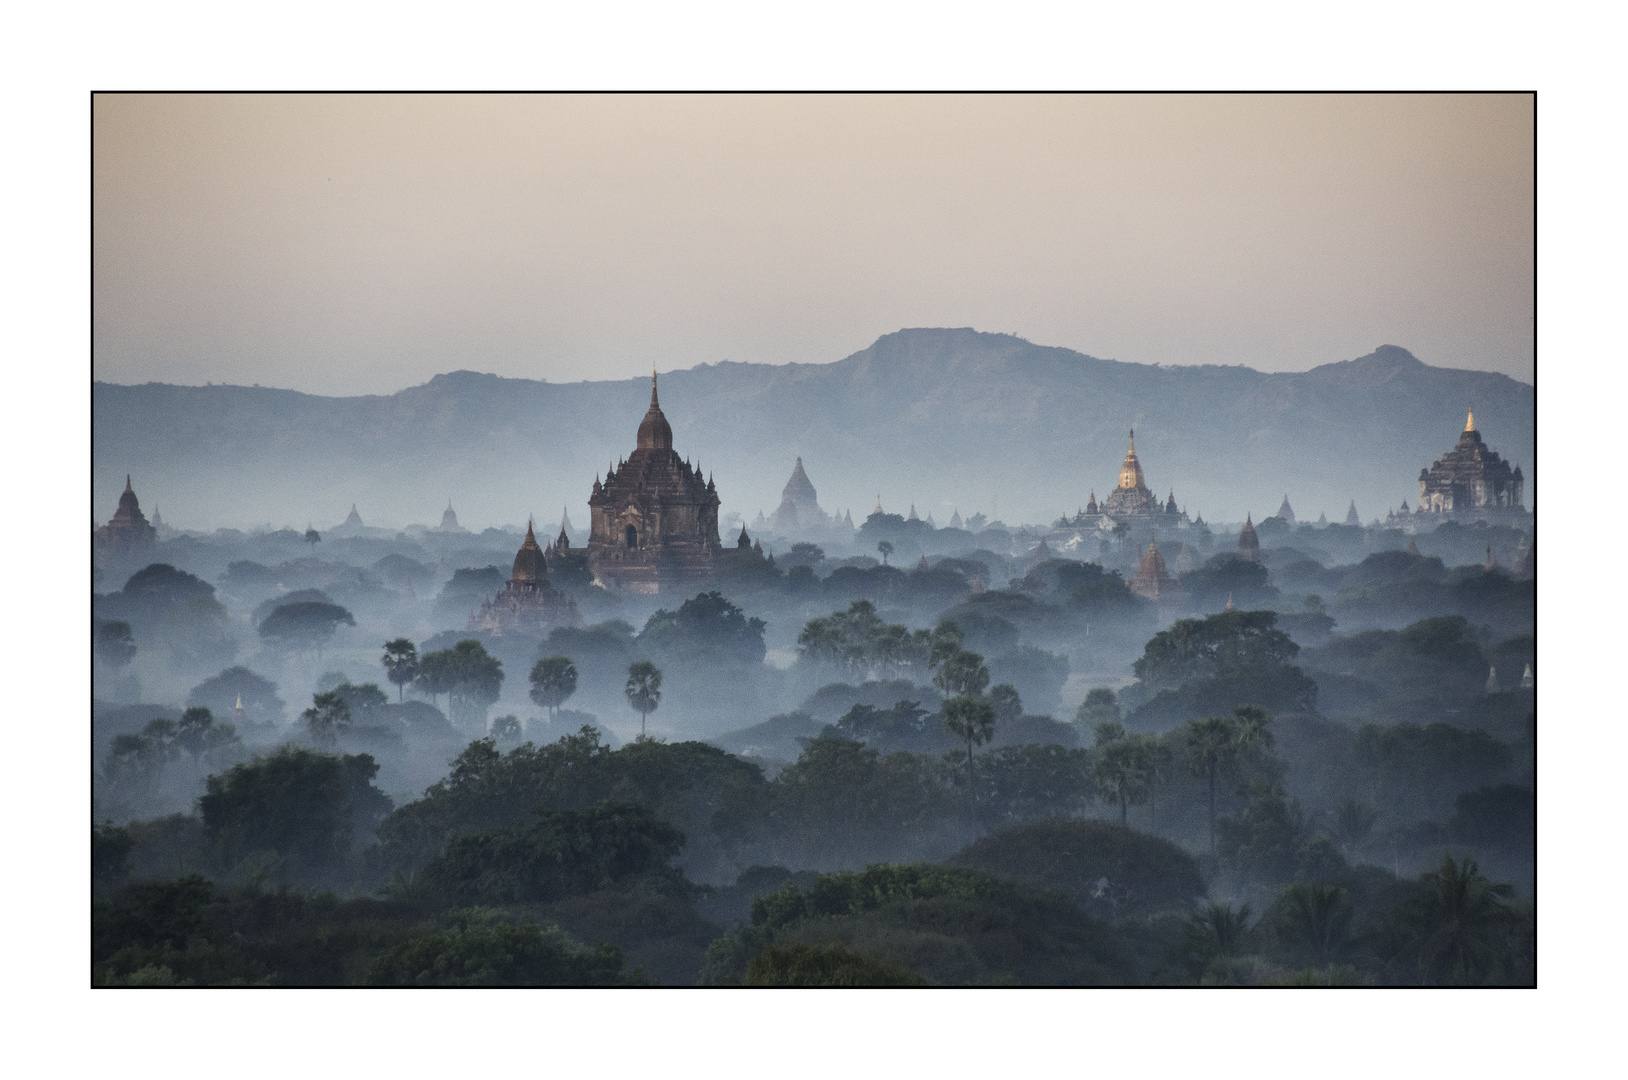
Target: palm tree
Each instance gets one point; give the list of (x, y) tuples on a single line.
[(1121, 772), (1456, 925), (1250, 730), (1212, 933), (553, 680), (886, 549), (328, 715), (1315, 921), (643, 689), (1211, 745), (970, 717), (1156, 758), (400, 664)]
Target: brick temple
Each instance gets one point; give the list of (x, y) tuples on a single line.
[(655, 521)]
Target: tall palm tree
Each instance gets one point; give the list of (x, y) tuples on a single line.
[(643, 689), (970, 717), (1121, 772), (1156, 758), (1456, 925), (1210, 746), (553, 680)]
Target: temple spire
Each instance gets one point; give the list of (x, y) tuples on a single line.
[(127, 487), (654, 404), (1469, 422)]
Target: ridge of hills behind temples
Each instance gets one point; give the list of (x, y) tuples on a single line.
[(940, 418)]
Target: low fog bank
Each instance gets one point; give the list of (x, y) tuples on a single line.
[(1341, 713)]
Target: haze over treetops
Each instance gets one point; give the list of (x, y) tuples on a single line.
[(941, 418)]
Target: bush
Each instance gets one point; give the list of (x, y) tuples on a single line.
[(1107, 869), (497, 955), (565, 853), (828, 964)]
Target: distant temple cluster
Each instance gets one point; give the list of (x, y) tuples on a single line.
[(654, 526)]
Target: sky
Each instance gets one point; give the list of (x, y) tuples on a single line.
[(362, 244)]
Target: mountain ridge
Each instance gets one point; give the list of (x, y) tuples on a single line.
[(953, 417)]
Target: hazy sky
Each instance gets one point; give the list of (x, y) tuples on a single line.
[(361, 244)]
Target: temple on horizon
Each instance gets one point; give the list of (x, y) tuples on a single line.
[(127, 535), (1471, 482), (1131, 501), (654, 520), (527, 602)]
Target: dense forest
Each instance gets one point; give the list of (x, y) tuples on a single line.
[(988, 765)]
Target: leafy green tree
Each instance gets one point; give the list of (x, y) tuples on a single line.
[(435, 675), (115, 643), (643, 689), (1100, 706), (109, 855), (706, 627), (805, 554), (1455, 928), (311, 809), (945, 642), (471, 678), (400, 664), (971, 719), (365, 701), (506, 730), (306, 625), (886, 549), (553, 681), (197, 735), (858, 640), (327, 718), (561, 853), (1110, 871), (221, 693), (1109, 731), (1210, 747)]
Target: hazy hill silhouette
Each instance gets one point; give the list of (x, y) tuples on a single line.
[(931, 416)]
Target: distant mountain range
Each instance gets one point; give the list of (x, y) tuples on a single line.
[(942, 418)]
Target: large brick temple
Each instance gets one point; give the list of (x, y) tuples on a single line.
[(1472, 482), (654, 520)]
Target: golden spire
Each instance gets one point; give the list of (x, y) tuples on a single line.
[(1132, 451), (1469, 424)]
